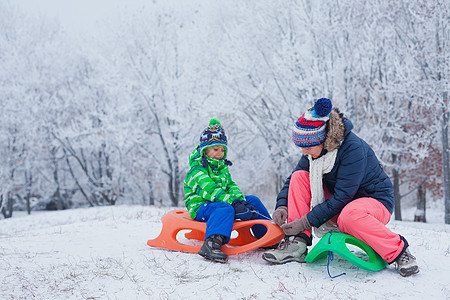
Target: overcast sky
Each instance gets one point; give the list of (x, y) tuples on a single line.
[(82, 15), (94, 15)]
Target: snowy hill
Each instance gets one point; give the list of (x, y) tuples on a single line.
[(101, 253)]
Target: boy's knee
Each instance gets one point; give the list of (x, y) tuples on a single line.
[(226, 208), (252, 199)]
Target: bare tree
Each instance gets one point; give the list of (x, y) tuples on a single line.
[(421, 208), (419, 24)]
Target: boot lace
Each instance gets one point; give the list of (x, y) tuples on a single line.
[(284, 243), (405, 258)]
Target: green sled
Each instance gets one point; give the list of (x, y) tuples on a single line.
[(336, 242)]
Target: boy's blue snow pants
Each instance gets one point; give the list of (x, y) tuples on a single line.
[(219, 217)]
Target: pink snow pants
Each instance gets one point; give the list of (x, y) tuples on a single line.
[(364, 218)]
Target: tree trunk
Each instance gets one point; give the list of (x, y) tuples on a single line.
[(28, 201), (445, 160), (173, 189), (29, 182), (397, 196), (151, 196), (174, 180), (57, 199), (420, 214), (7, 209)]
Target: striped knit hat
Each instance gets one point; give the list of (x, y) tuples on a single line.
[(310, 128), (213, 135)]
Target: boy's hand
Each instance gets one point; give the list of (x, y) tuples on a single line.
[(280, 215), (249, 206), (242, 210)]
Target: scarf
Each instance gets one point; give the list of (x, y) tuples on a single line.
[(317, 168)]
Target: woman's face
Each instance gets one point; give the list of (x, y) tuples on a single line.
[(313, 151), (216, 152)]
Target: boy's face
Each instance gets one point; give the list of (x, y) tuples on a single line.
[(313, 151), (216, 152)]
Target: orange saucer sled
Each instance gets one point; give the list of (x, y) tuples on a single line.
[(176, 220)]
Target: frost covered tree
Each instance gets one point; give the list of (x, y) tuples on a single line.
[(25, 81), (165, 96), (396, 88), (422, 31), (86, 128)]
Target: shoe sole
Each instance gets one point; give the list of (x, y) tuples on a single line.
[(214, 259), (271, 259), (409, 271)]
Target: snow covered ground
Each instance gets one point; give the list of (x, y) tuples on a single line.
[(101, 253)]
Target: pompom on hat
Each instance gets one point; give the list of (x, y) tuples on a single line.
[(213, 135), (310, 129)]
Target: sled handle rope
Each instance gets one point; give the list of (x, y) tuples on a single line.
[(330, 258)]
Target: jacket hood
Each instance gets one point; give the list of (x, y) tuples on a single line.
[(338, 128), (197, 159)]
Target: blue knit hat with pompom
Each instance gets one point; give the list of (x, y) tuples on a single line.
[(213, 135), (310, 129)]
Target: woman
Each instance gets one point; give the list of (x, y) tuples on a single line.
[(338, 185)]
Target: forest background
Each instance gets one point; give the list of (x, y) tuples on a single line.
[(108, 113)]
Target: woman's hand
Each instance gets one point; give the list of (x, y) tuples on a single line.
[(296, 226), (280, 215)]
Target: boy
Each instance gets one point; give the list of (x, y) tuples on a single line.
[(211, 195)]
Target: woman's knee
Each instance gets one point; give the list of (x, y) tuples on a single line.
[(347, 216), (356, 211), (300, 175), (350, 215)]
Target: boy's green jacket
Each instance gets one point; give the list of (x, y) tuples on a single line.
[(208, 184)]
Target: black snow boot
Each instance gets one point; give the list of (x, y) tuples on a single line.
[(211, 248)]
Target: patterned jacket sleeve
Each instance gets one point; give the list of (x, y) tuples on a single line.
[(206, 187), (235, 191)]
